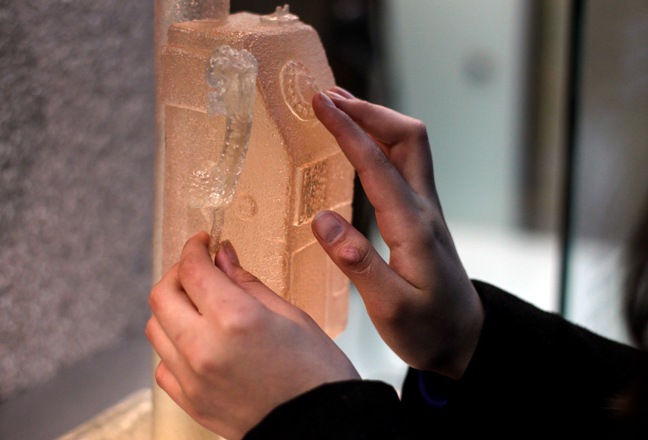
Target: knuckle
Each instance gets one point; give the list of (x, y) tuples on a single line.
[(356, 257), (419, 130), (242, 320), (183, 339), (148, 330), (245, 279), (202, 363), (192, 391), (155, 296), (188, 268), (160, 377)]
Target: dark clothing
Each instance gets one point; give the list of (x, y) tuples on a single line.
[(533, 374), (353, 410)]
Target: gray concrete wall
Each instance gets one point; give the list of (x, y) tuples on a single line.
[(76, 173)]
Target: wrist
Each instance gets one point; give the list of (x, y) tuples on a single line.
[(460, 341)]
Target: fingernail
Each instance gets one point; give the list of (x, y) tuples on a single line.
[(327, 100), (334, 95), (342, 92), (327, 226), (230, 252)]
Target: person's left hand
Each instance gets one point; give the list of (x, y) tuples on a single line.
[(231, 350)]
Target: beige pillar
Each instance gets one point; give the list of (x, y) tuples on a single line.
[(169, 422)]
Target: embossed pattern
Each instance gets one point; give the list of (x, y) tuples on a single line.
[(298, 87)]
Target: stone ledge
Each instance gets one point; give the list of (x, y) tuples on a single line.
[(129, 419)]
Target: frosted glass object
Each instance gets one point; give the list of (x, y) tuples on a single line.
[(293, 167), (280, 16)]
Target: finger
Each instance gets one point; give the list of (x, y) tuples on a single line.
[(171, 306), (165, 348), (169, 288), (342, 92), (404, 139), (360, 261), (169, 383), (383, 184), (207, 286), (227, 260), (383, 124)]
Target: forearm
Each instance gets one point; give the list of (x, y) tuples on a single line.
[(343, 410)]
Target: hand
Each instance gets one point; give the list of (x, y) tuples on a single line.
[(422, 303), (231, 350)]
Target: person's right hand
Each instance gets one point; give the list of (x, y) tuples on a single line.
[(422, 303)]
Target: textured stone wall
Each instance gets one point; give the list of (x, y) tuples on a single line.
[(76, 173)]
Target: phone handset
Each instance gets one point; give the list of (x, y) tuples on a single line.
[(231, 76)]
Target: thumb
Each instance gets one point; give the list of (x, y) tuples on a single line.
[(377, 283), (227, 260)]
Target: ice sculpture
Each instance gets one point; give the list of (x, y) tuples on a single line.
[(293, 167)]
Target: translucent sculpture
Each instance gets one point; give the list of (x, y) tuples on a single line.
[(262, 201), (294, 168), (281, 16), (231, 77)]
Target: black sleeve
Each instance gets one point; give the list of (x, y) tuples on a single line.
[(351, 410), (533, 374)]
